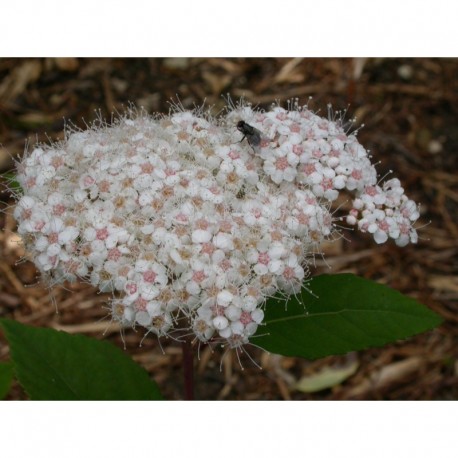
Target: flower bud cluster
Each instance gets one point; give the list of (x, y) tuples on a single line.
[(192, 229)]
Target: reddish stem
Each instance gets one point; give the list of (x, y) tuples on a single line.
[(188, 369)]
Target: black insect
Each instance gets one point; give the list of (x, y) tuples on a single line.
[(252, 134)]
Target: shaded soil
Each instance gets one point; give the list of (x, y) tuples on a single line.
[(409, 108)]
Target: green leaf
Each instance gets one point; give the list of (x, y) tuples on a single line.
[(328, 377), (54, 365), (12, 184), (337, 314), (6, 376)]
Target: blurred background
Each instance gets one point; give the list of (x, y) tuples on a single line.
[(409, 108)]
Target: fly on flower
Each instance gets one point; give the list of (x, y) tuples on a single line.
[(249, 132)]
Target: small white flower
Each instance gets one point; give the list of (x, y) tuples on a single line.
[(223, 241), (220, 322), (201, 236), (233, 312), (224, 298)]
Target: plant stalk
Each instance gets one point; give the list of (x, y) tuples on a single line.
[(188, 369)]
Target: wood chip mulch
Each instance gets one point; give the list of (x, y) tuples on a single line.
[(409, 108)]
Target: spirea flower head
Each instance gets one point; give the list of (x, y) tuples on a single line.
[(185, 223)]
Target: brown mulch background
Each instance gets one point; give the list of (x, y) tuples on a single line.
[(409, 108)]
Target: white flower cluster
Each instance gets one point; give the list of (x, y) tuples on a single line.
[(192, 229)]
